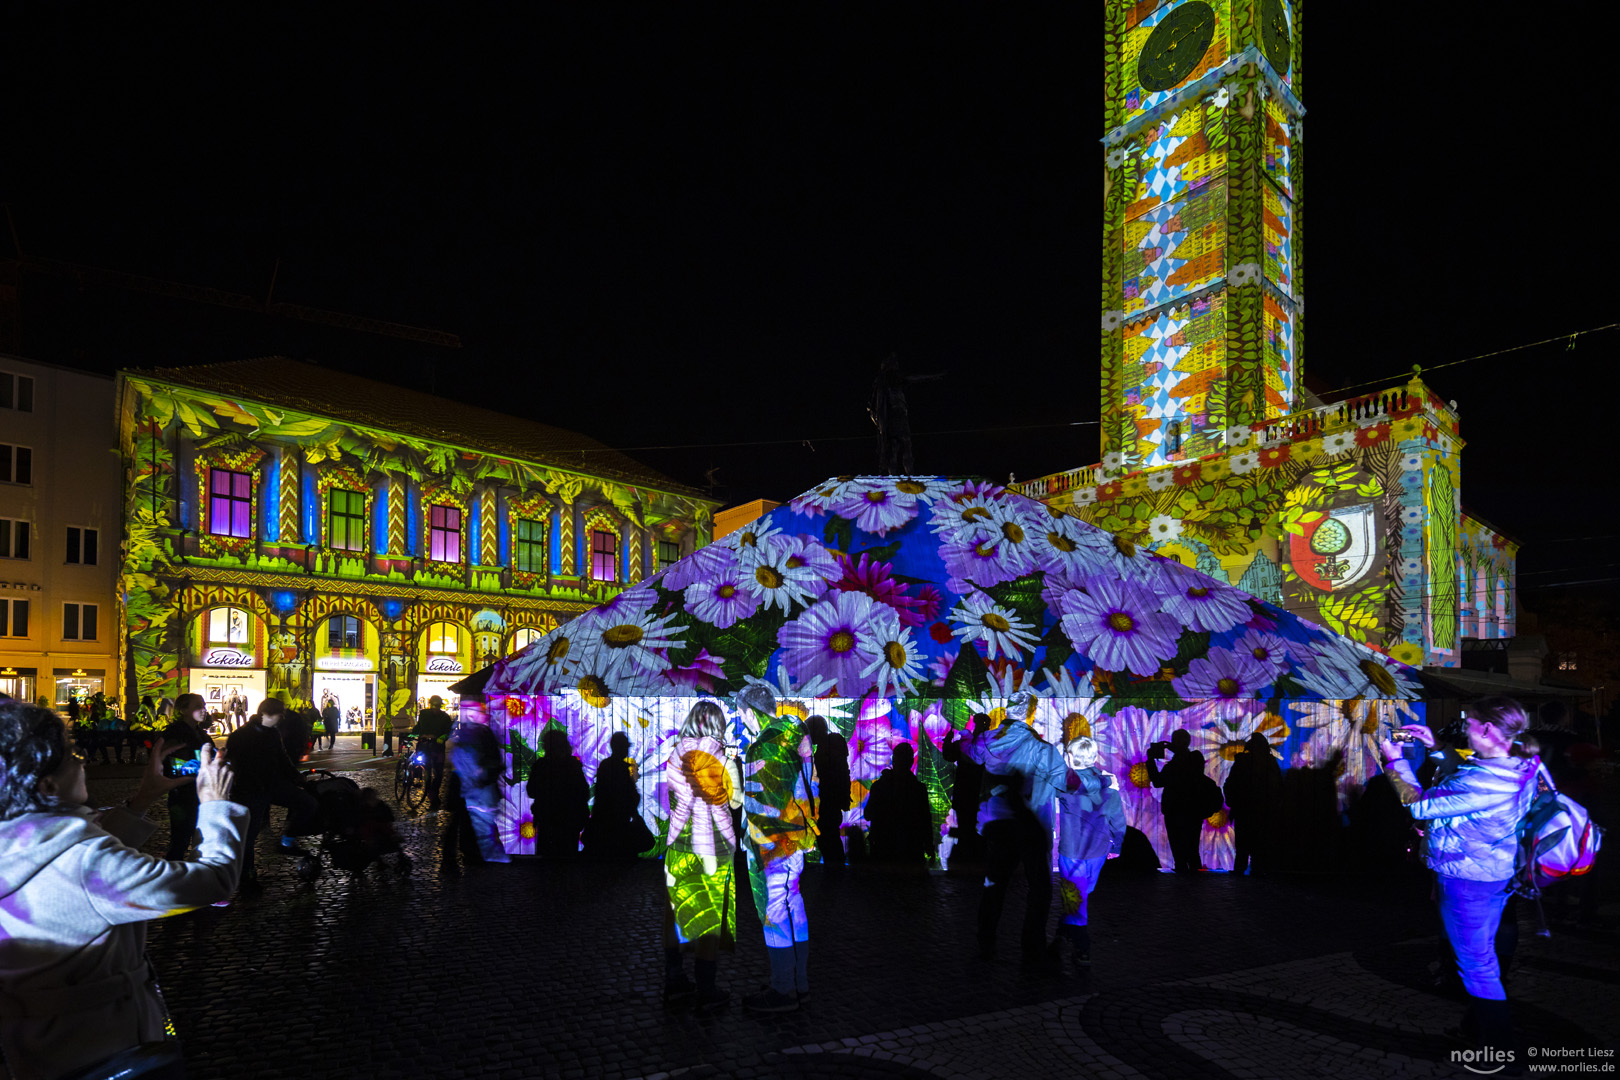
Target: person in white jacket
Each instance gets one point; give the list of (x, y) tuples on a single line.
[(75, 895), (1471, 818)]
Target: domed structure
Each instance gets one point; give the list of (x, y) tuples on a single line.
[(898, 607)]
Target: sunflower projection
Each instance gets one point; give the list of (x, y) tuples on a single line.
[(899, 607)]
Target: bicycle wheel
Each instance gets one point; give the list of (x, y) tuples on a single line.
[(402, 782), (416, 787)]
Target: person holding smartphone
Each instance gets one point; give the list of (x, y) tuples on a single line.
[(185, 737), (76, 893), (1472, 818)]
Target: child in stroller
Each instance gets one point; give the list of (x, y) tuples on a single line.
[(356, 826)]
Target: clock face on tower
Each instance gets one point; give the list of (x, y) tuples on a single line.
[(1176, 45), (1274, 36)]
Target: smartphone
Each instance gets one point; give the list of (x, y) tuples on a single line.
[(182, 766)]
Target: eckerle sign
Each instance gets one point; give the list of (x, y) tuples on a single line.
[(444, 665), (227, 658)]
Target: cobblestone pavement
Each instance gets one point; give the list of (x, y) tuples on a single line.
[(554, 969)]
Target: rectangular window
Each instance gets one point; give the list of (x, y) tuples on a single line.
[(604, 556), (13, 539), (444, 534), (78, 622), (16, 464), (530, 556), (13, 618), (669, 553), (1566, 661), (82, 545), (230, 503), (227, 626), (346, 521), (343, 632), (16, 392)]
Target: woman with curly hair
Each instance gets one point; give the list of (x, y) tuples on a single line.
[(75, 896), (704, 785)]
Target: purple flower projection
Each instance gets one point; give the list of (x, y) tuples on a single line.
[(896, 607)]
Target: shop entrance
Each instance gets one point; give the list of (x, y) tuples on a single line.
[(354, 693), (437, 686)]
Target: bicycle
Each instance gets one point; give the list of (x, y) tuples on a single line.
[(410, 775)]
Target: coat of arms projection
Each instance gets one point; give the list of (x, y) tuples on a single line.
[(898, 607)]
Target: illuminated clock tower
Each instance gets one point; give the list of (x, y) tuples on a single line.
[(1202, 291)]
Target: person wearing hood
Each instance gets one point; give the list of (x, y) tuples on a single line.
[(1472, 827), (1091, 824), (1025, 775), (76, 894)]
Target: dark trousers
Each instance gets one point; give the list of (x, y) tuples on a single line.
[(1251, 841), (433, 757), (1008, 843), (830, 842), (301, 808), (182, 823), (1184, 831)]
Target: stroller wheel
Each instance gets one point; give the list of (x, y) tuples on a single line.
[(309, 869)]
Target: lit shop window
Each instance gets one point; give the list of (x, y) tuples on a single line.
[(444, 534), (346, 521), (228, 626), (78, 622), (530, 553), (343, 632), (16, 392), (13, 538), (16, 464), (13, 618), (525, 637), (82, 545), (230, 503), (604, 556)]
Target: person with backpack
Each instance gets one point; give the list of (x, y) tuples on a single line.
[(1472, 821), (1254, 795)]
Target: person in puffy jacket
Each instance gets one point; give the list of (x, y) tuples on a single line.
[(75, 897), (1471, 820), (1091, 823)]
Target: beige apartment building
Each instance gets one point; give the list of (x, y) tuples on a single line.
[(59, 533)]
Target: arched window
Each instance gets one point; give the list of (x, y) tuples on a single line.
[(524, 637), (444, 639), (229, 626)]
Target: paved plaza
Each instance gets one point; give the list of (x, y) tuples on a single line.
[(554, 970)]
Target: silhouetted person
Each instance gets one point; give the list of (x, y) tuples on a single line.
[(265, 776), (832, 783), (1253, 798), (897, 809), (561, 797), (432, 731), (1180, 779), (332, 720), (967, 789), (1025, 776), (616, 827), (186, 734)]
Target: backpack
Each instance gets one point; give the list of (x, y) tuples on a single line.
[(1557, 840), (1210, 798)]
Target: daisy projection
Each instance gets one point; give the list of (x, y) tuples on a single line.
[(897, 608)]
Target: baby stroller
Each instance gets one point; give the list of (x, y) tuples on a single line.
[(356, 828)]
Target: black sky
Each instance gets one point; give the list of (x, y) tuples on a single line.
[(682, 224)]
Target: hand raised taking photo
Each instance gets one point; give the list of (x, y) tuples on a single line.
[(214, 777), (153, 782)]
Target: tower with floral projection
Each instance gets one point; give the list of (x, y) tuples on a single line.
[(1348, 514), (1201, 286)]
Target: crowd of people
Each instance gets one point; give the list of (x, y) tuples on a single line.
[(76, 891)]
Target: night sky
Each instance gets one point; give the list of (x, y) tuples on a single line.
[(680, 226)]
